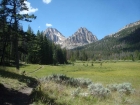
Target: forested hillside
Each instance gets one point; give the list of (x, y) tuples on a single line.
[(124, 45)]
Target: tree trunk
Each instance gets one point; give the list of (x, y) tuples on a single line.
[(3, 55), (16, 52), (16, 37)]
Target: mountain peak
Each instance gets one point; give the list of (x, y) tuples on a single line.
[(81, 37), (52, 30), (54, 35), (82, 29)]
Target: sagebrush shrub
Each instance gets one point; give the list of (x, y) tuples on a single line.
[(125, 88), (97, 90), (76, 82)]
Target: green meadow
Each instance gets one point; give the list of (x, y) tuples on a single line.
[(108, 72)]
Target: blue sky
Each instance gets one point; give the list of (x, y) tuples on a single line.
[(101, 17)]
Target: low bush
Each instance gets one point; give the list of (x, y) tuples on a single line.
[(85, 87), (63, 79), (97, 90), (124, 88)]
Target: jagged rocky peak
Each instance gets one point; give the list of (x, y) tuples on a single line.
[(54, 35), (85, 35), (82, 30), (81, 37)]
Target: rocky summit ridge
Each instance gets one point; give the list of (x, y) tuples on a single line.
[(54, 35), (125, 27), (81, 37)]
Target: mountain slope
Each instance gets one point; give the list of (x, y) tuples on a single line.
[(54, 35), (79, 38), (120, 44)]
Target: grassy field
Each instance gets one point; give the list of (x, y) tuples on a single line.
[(108, 72)]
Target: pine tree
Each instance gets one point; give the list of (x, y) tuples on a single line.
[(12, 9), (55, 57), (3, 30)]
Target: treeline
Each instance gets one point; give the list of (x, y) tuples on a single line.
[(84, 55), (17, 45)]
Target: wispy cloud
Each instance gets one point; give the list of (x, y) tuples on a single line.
[(47, 1), (30, 9), (48, 25), (39, 27)]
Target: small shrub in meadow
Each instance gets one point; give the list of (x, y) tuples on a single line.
[(125, 88), (59, 78), (73, 64), (101, 64), (97, 90)]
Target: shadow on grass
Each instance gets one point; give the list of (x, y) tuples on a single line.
[(40, 96), (13, 97), (12, 64), (31, 82)]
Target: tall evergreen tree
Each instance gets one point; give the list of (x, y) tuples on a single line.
[(12, 10), (3, 30)]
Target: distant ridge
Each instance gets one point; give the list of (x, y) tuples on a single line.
[(131, 25), (125, 27)]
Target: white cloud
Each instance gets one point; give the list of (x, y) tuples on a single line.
[(48, 25), (30, 9), (47, 1), (39, 27)]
